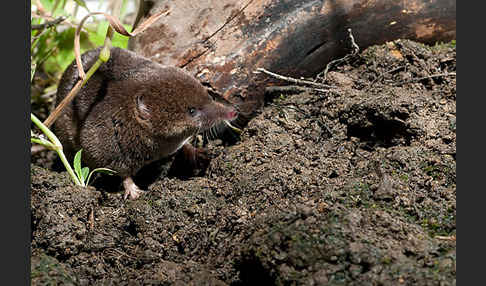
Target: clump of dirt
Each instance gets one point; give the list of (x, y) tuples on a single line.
[(356, 186)]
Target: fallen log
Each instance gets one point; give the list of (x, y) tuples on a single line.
[(222, 42)]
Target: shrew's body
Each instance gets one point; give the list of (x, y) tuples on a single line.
[(133, 111)]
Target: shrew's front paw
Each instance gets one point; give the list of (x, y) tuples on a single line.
[(132, 191)]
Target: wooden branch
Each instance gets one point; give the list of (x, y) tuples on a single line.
[(48, 24), (284, 44)]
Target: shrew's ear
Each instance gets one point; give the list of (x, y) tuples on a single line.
[(142, 110)]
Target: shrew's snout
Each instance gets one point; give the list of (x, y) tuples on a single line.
[(215, 113), (225, 112)]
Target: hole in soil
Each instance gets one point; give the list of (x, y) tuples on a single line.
[(180, 248), (408, 253), (107, 183), (185, 168), (151, 172), (333, 174), (447, 140), (252, 272), (366, 266), (131, 228), (379, 131)]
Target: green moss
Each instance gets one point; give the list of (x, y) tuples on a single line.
[(404, 177), (46, 270), (439, 172), (386, 260), (446, 45), (229, 166)]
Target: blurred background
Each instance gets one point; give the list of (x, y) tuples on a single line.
[(52, 40)]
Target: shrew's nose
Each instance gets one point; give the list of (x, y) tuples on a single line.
[(232, 114)]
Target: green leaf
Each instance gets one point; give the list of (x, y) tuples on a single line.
[(81, 3), (64, 45), (33, 66), (85, 173), (77, 165), (98, 38)]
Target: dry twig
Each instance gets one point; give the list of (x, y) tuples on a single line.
[(49, 18), (48, 24), (91, 219), (291, 89), (355, 51), (294, 80), (450, 238)]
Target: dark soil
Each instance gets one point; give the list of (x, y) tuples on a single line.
[(351, 187)]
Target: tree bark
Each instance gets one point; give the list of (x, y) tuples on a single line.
[(222, 42)]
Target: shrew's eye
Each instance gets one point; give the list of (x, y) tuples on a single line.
[(192, 111)]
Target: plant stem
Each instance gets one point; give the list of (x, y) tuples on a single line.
[(103, 57), (56, 145), (55, 114), (43, 142), (54, 8)]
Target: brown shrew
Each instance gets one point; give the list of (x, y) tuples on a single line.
[(132, 112)]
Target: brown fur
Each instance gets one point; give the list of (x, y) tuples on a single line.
[(133, 111)]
